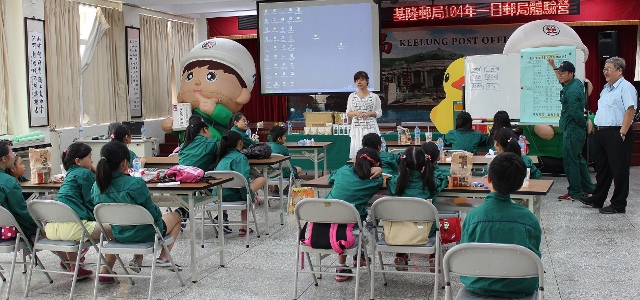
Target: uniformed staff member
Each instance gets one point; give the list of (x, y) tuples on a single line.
[(113, 186), (613, 140), (574, 127), (11, 192), (499, 220), (199, 148), (464, 137)]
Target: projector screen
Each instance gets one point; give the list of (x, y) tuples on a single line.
[(315, 47)]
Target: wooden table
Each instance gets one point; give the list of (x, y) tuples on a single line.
[(184, 189), (478, 161), (313, 155), (531, 194), (263, 165)]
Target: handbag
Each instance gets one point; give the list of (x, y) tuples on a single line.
[(257, 151), (450, 230), (406, 233)]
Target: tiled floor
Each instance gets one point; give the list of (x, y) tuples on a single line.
[(586, 256)]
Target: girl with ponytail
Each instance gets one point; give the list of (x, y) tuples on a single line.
[(507, 141), (199, 148)]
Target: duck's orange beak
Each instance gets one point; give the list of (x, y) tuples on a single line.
[(458, 83)]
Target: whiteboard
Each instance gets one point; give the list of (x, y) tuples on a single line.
[(492, 83)]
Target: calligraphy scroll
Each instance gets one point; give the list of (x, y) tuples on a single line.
[(133, 71), (36, 73)]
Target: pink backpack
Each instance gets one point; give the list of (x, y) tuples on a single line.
[(185, 173), (8, 232), (329, 236)]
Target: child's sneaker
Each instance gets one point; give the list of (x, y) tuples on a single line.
[(225, 220), (402, 260), (83, 273), (161, 262), (135, 264), (106, 280), (363, 261), (342, 278)]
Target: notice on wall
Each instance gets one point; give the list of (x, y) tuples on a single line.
[(133, 68), (36, 60), (540, 89)]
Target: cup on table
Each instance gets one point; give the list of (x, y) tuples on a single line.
[(526, 179)]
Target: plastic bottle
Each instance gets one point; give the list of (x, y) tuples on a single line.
[(143, 132), (313, 143), (526, 146), (523, 144), (384, 144), (440, 144), (81, 132), (417, 136), (249, 132), (400, 131), (137, 167), (289, 129)]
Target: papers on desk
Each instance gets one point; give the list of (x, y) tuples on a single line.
[(162, 184)]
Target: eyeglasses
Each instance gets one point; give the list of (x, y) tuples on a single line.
[(607, 70)]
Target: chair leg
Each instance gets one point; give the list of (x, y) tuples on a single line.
[(373, 272), (384, 278), (153, 269), (75, 271), (97, 276), (31, 264), (173, 264), (39, 263), (13, 266), (124, 269), (315, 280), (255, 221)]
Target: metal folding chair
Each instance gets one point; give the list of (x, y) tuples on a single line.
[(130, 215), (291, 182), (492, 261)]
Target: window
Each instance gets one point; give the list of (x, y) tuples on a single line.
[(87, 16)]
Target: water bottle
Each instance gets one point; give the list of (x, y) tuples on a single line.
[(137, 167), (143, 132), (440, 144), (312, 143), (526, 146), (384, 145), (523, 144), (248, 132), (289, 129), (400, 131), (81, 132), (417, 136)]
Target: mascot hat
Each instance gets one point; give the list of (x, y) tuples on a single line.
[(227, 52)]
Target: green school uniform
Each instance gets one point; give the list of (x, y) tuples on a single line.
[(464, 140), (278, 148), (246, 140), (132, 155), (414, 188), (11, 199), (534, 173), (499, 220), (201, 152), (442, 170), (349, 187), (389, 162), (234, 161), (75, 191), (132, 190)]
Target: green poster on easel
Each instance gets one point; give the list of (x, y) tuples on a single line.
[(540, 89)]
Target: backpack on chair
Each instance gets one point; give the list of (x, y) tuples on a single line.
[(328, 236)]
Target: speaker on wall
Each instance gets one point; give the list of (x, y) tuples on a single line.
[(607, 44)]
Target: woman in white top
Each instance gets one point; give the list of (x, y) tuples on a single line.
[(363, 108)]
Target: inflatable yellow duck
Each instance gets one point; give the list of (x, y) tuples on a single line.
[(442, 114)]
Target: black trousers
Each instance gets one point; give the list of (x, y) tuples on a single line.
[(612, 157)]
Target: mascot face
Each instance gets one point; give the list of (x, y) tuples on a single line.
[(213, 82)]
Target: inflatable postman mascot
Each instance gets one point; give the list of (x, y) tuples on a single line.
[(217, 78)]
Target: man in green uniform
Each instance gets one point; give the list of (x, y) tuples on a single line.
[(499, 220), (574, 126), (11, 192)]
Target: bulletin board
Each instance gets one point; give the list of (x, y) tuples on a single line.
[(132, 36), (36, 73)]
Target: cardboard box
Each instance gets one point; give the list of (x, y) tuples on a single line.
[(180, 113), (317, 119), (461, 165)]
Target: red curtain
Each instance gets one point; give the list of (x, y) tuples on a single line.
[(262, 108), (627, 37)]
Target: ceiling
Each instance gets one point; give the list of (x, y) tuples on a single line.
[(221, 8)]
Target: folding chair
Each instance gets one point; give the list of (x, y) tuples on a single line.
[(21, 242), (130, 215), (238, 182), (327, 211), (51, 211), (405, 209), (492, 261), (274, 179)]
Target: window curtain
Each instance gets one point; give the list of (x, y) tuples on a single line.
[(182, 41), (5, 93), (62, 37), (155, 67), (104, 74)]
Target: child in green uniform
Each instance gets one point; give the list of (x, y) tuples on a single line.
[(18, 171), (356, 185), (199, 148), (278, 136), (11, 192), (464, 137), (507, 141), (75, 192), (500, 120), (499, 220), (113, 186), (389, 160), (121, 133), (416, 178), (239, 124), (432, 149), (230, 159)]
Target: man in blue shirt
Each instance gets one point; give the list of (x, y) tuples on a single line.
[(613, 140)]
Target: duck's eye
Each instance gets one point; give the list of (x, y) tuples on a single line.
[(446, 77)]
